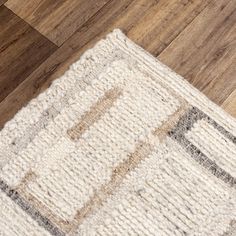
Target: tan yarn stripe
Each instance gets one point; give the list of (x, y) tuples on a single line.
[(64, 225), (44, 210), (142, 150), (95, 113), (30, 176), (232, 230), (163, 130)]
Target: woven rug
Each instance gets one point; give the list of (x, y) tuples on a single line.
[(119, 145)]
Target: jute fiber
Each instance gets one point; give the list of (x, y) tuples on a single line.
[(119, 145)]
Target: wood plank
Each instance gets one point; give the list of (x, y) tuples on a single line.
[(221, 86), (57, 20), (22, 50), (151, 24), (59, 61), (124, 14), (205, 52), (230, 104), (2, 2), (164, 22)]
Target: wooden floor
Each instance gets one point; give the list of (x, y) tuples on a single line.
[(39, 39)]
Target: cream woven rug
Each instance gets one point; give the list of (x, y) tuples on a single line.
[(119, 145)]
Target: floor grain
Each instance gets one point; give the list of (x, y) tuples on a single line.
[(194, 37), (56, 20), (2, 2), (205, 52), (54, 66), (230, 104), (22, 50), (163, 22)]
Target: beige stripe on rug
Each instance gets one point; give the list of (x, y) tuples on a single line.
[(119, 145)]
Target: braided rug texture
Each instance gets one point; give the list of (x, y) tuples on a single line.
[(119, 145)]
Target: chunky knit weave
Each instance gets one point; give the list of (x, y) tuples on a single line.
[(119, 145)]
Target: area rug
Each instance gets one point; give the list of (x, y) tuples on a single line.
[(119, 145)]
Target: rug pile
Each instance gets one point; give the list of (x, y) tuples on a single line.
[(119, 145)]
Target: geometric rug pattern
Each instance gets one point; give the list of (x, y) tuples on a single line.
[(119, 145)]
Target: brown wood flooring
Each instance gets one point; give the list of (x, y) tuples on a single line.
[(39, 39)]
